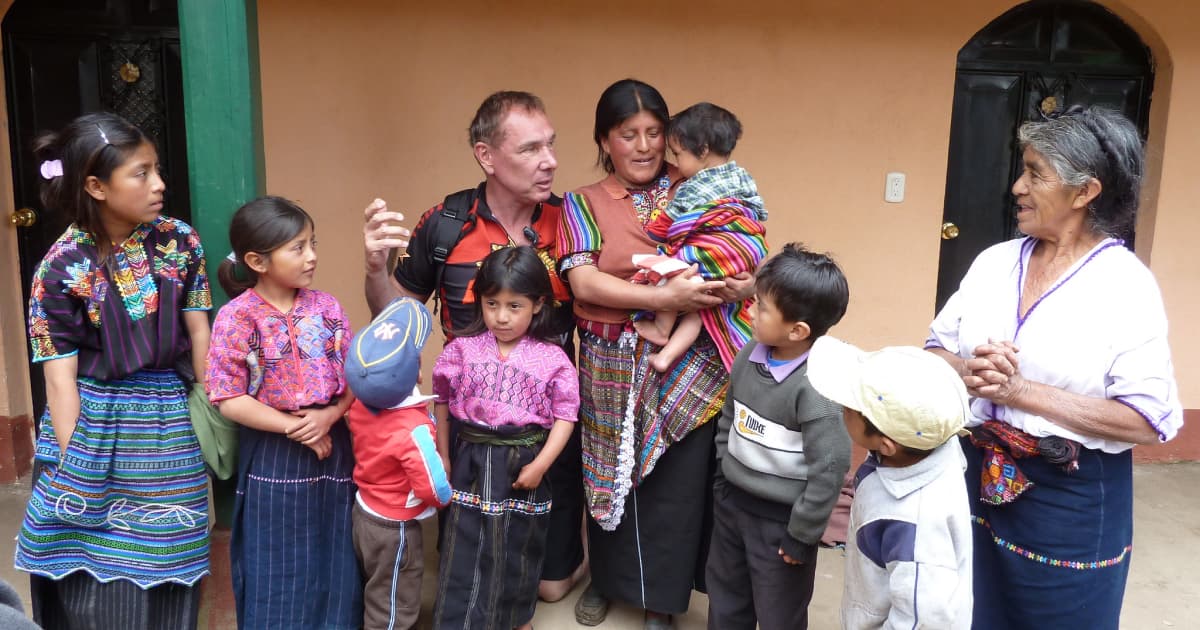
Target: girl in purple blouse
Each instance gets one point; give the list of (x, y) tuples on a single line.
[(275, 366), (513, 396), (115, 535)]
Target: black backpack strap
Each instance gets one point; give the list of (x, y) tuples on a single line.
[(447, 231)]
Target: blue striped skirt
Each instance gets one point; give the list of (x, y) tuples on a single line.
[(128, 499), (292, 545)]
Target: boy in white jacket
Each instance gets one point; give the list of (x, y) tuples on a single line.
[(908, 558)]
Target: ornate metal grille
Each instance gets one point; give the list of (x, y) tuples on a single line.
[(133, 85)]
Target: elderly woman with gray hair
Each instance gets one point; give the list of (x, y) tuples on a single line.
[(1061, 339)]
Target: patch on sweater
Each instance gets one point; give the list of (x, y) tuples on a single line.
[(886, 540), (765, 446)]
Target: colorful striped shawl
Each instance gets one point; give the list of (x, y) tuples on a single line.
[(723, 238)]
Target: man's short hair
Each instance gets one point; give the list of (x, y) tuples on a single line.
[(485, 126), (805, 287)]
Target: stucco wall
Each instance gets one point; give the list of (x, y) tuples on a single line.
[(375, 101)]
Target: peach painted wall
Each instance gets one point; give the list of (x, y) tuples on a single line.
[(374, 101)]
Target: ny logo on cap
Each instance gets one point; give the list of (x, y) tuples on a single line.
[(386, 331)]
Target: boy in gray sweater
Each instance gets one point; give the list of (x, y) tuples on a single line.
[(782, 452)]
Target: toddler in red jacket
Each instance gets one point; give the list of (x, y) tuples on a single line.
[(398, 472)]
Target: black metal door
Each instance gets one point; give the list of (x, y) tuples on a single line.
[(1038, 58), (63, 58)]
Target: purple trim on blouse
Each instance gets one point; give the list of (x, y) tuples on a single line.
[(1154, 424), (1026, 251), (761, 355)]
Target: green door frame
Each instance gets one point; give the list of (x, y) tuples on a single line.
[(223, 116)]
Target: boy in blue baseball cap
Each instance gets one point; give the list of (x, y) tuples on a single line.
[(400, 477)]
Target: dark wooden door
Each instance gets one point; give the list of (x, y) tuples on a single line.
[(63, 58), (1037, 59)]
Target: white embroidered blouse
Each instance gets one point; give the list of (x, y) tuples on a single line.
[(1101, 330)]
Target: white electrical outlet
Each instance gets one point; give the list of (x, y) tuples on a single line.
[(893, 189)]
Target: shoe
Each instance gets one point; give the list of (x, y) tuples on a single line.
[(659, 622), (592, 607)]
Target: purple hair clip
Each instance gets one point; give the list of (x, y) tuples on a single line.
[(51, 169)]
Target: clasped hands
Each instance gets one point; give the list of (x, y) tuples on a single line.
[(994, 373), (311, 428)]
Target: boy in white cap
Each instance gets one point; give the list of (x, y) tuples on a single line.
[(908, 557), (400, 477)]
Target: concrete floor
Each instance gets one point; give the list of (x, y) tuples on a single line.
[(1163, 591)]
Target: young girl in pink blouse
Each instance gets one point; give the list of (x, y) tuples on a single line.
[(513, 397), (275, 366)]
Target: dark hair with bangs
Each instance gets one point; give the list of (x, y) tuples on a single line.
[(805, 287), (620, 102), (261, 226), (705, 127), (92, 145), (520, 270)]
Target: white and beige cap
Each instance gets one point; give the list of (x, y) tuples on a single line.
[(911, 395)]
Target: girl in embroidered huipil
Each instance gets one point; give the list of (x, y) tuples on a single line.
[(276, 368), (116, 529), (513, 396)]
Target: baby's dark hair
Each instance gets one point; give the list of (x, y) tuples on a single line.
[(869, 428), (92, 145), (520, 270), (705, 127), (261, 226), (805, 287)]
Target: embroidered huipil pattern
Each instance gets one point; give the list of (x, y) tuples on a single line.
[(287, 361), (158, 269), (534, 385)]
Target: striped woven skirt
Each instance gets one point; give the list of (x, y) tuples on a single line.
[(1058, 556), (493, 537), (629, 414), (292, 545), (127, 501)]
